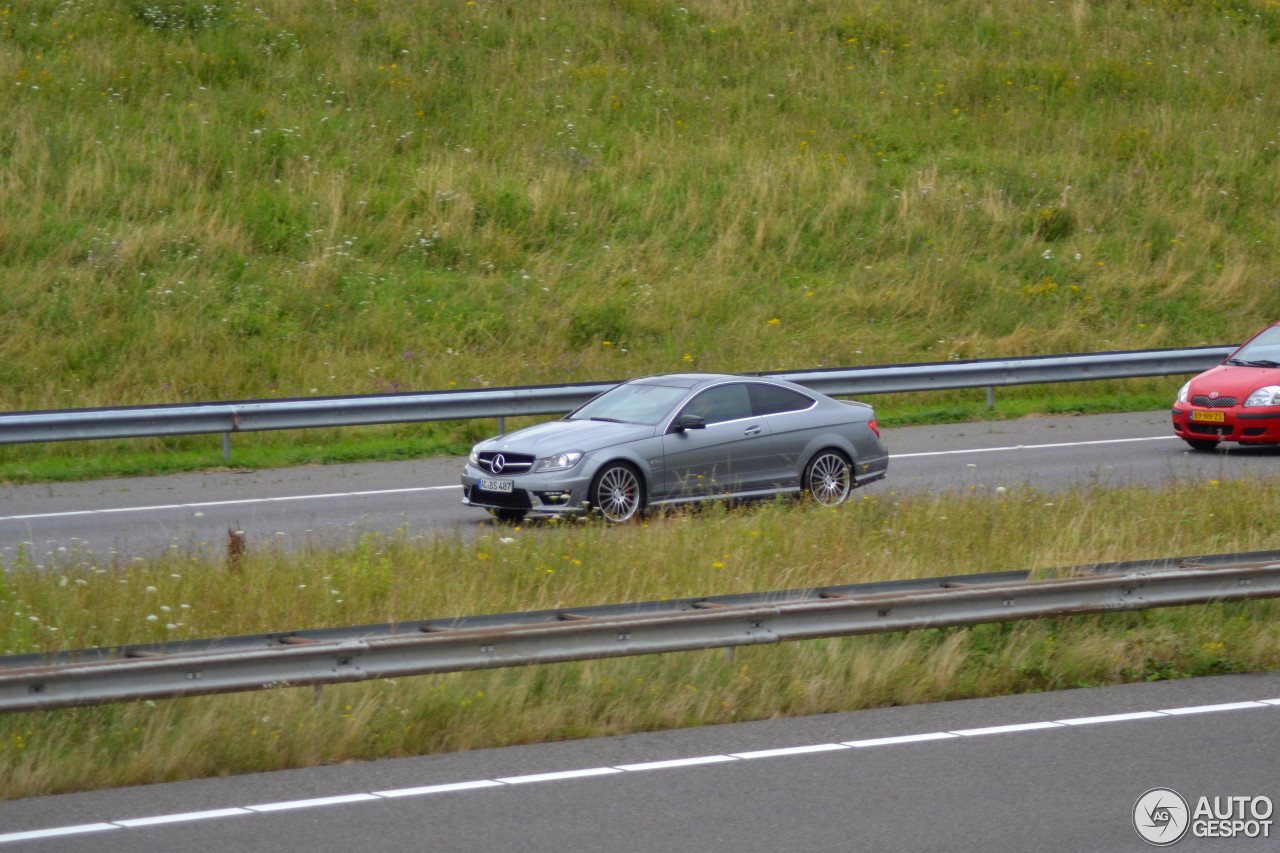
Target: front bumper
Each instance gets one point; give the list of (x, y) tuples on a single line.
[(1260, 425), (557, 493)]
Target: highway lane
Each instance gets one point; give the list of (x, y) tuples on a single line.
[(1058, 771), (291, 507)]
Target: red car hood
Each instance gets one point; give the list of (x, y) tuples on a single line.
[(1231, 380)]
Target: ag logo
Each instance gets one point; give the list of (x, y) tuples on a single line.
[(1161, 816)]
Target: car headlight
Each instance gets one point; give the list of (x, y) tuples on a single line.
[(475, 456), (559, 462), (1186, 389), (1268, 396)]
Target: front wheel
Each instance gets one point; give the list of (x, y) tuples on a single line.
[(829, 477), (617, 492), (1201, 443)]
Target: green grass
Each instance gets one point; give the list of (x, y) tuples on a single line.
[(73, 599), (203, 201)]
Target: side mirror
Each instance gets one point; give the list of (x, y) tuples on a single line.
[(685, 422)]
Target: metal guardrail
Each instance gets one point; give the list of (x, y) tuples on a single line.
[(390, 651), (500, 403)]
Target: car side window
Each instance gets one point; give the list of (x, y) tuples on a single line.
[(722, 403), (772, 400)]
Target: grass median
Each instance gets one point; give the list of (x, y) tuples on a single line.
[(67, 600)]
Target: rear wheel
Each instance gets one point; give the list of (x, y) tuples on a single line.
[(829, 477), (1201, 443), (617, 492)]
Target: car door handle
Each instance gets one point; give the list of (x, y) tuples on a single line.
[(751, 430)]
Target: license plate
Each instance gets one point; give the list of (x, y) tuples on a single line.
[(1209, 417), (488, 485)]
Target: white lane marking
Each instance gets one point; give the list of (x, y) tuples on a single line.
[(57, 832), (1110, 718), (180, 818), (676, 762), (1031, 446), (311, 804), (1210, 709), (788, 750), (894, 741), (237, 502), (558, 776), (439, 789), (623, 768), (1004, 730)]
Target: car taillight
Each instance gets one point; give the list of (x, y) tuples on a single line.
[(875, 427)]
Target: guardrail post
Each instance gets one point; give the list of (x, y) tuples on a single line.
[(502, 425), (226, 447), (991, 397)]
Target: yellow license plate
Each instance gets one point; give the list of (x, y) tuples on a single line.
[(1209, 417)]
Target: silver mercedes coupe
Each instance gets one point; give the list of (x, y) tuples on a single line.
[(680, 438)]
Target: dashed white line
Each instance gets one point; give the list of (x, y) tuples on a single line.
[(1031, 446), (58, 832), (676, 762), (558, 776), (236, 502), (894, 741), (439, 789), (181, 818), (565, 775), (1211, 709), (1110, 718), (313, 803), (1004, 730), (790, 750)]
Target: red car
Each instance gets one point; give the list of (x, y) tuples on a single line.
[(1239, 400)]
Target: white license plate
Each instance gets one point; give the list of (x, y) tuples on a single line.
[(488, 485)]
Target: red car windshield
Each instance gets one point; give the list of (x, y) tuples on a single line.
[(1263, 350)]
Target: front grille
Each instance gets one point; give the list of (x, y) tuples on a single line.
[(1213, 402), (1209, 429), (512, 463), (519, 499)]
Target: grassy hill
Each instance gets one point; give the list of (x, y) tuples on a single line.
[(210, 200)]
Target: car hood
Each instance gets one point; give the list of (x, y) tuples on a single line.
[(1233, 380), (559, 436)]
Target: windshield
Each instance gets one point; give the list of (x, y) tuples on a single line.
[(1263, 350), (632, 404)]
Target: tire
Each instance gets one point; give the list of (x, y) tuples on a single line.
[(617, 493), (1201, 443), (828, 478), (510, 515)]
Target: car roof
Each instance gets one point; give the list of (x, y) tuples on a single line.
[(690, 380)]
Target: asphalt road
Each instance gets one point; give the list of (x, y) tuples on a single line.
[(290, 507), (1059, 771)]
